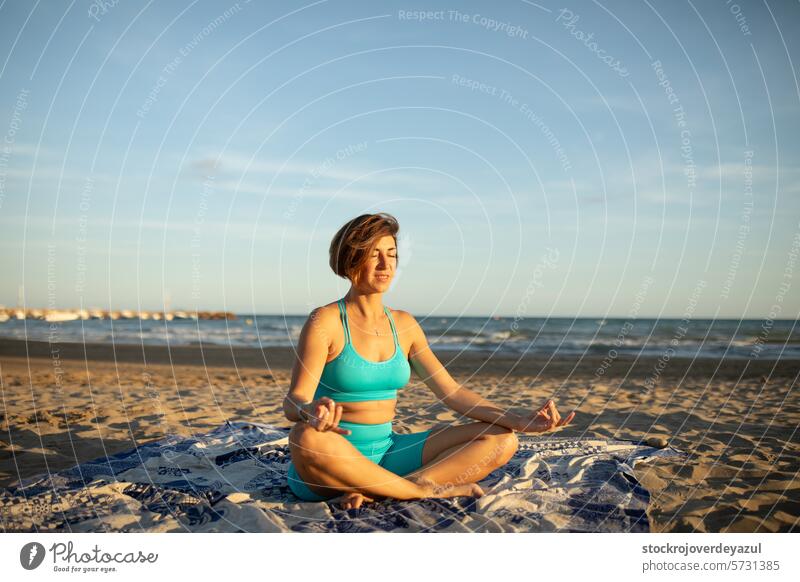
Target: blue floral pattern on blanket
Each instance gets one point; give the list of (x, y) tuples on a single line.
[(233, 479)]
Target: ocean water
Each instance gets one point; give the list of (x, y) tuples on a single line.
[(700, 338)]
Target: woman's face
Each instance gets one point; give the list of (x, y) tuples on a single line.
[(378, 271)]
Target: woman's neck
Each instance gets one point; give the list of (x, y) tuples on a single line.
[(368, 307)]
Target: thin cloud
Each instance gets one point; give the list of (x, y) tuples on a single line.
[(237, 164)]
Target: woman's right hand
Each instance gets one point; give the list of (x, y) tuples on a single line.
[(325, 415)]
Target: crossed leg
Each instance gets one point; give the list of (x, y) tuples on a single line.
[(330, 464), (454, 455)]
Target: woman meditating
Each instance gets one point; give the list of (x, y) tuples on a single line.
[(353, 357)]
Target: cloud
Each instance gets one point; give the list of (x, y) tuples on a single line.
[(331, 168), (30, 150)]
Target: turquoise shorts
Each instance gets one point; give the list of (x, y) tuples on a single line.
[(395, 452)]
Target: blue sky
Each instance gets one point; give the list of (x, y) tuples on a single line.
[(550, 159)]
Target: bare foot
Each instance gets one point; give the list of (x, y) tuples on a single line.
[(465, 490), (434, 489), (353, 500)]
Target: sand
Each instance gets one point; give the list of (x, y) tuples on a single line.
[(70, 403)]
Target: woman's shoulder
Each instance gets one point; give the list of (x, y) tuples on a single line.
[(323, 319), (325, 312), (332, 306), (400, 313), (403, 319)]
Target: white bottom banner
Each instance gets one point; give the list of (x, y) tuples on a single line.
[(413, 556)]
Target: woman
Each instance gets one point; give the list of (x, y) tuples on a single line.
[(353, 357)]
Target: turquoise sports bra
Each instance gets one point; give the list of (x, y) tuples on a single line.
[(351, 378)]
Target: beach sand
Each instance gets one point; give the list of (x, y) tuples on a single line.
[(69, 403)]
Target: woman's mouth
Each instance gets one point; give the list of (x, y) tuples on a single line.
[(382, 277)]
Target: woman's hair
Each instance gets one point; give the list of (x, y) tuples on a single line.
[(352, 245)]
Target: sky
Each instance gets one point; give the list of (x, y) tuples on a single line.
[(573, 159)]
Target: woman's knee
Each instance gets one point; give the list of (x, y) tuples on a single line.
[(307, 443), (505, 443), (511, 443)]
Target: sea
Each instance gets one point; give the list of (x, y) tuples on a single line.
[(555, 336)]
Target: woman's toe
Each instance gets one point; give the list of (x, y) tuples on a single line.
[(476, 490)]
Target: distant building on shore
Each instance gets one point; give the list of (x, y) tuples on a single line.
[(57, 315)]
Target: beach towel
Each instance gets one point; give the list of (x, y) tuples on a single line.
[(233, 479)]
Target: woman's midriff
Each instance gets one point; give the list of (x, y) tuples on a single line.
[(369, 411)]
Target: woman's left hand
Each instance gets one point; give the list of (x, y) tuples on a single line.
[(543, 419)]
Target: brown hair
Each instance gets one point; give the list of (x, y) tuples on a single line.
[(353, 243)]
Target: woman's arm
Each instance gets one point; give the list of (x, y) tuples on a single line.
[(323, 414), (455, 396), (471, 404), (312, 351)]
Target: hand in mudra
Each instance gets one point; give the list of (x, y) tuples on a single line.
[(544, 419), (325, 415)]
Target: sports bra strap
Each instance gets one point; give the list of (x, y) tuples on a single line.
[(394, 331), (343, 313)]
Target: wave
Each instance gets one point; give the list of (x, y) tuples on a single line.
[(540, 336)]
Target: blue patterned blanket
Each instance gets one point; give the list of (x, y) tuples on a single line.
[(233, 479)]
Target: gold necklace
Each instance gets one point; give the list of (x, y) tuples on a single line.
[(376, 332), (376, 329)]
